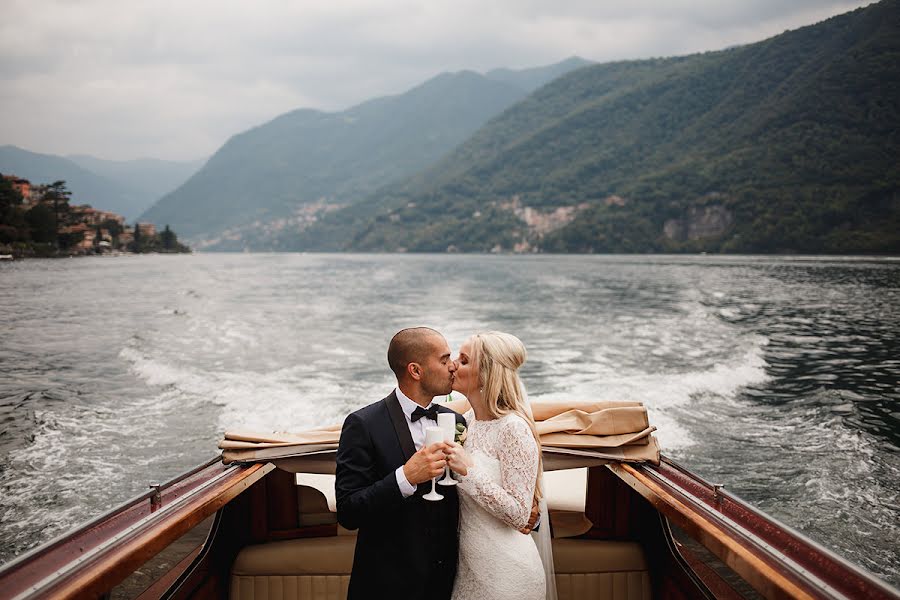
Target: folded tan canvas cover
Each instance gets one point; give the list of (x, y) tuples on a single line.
[(614, 430)]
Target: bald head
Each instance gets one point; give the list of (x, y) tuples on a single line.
[(411, 345)]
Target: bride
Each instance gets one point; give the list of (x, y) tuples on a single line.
[(499, 472)]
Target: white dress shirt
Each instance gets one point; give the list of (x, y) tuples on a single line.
[(417, 430)]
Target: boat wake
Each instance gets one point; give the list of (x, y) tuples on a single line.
[(669, 396)]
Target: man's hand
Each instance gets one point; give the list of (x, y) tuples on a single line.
[(535, 513), (427, 463)]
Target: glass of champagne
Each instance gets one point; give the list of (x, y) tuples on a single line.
[(433, 435), (447, 423)]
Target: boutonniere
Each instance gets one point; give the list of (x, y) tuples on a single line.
[(461, 433)]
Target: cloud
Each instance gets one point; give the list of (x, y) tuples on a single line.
[(176, 79)]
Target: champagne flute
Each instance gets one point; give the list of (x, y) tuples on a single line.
[(447, 423), (433, 435)]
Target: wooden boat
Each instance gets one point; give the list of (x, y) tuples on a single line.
[(269, 530)]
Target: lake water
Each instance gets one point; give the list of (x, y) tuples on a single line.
[(779, 377)]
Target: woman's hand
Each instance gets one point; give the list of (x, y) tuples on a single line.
[(459, 460), (532, 520)]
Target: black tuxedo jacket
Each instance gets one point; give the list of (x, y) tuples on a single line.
[(406, 547)]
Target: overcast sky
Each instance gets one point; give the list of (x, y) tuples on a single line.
[(175, 79)]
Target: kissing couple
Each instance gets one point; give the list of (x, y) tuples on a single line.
[(476, 542)]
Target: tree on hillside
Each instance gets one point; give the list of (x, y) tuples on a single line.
[(12, 225), (69, 239), (42, 224), (9, 197), (58, 196), (137, 242), (168, 239)]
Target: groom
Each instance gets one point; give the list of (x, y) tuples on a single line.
[(407, 546)]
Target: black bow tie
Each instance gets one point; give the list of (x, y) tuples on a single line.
[(420, 412)]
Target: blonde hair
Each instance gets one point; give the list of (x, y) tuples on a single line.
[(498, 356)]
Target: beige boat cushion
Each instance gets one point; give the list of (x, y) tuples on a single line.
[(319, 569), (569, 523), (624, 585), (308, 556), (566, 490), (312, 507), (289, 587), (321, 482), (600, 569), (591, 556), (304, 569)]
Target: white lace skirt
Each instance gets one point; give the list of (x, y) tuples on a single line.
[(496, 562)]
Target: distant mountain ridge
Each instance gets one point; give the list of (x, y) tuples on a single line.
[(123, 187), (149, 179), (86, 186), (785, 145), (293, 170)]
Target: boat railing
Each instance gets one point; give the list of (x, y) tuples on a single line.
[(95, 556), (773, 558)]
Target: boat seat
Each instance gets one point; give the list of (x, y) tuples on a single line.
[(600, 570), (301, 569), (319, 569)]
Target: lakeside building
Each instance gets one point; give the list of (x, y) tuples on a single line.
[(125, 238), (92, 216), (30, 193), (87, 232), (80, 228), (146, 229)]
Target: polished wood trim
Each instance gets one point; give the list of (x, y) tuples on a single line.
[(607, 505), (70, 570), (161, 585), (114, 566), (208, 577), (283, 506), (765, 579), (712, 580), (62, 547), (774, 559)]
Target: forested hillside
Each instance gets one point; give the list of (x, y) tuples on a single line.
[(291, 171), (786, 145)]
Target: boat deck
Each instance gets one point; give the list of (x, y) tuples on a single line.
[(619, 510)]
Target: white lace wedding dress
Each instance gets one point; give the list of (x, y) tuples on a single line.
[(496, 561)]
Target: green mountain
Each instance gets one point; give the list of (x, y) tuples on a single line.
[(786, 145), (300, 166)]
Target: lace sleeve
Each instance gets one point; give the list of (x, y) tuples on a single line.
[(518, 454)]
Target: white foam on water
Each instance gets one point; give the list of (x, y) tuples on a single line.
[(284, 399), (64, 470), (833, 481), (665, 393)]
